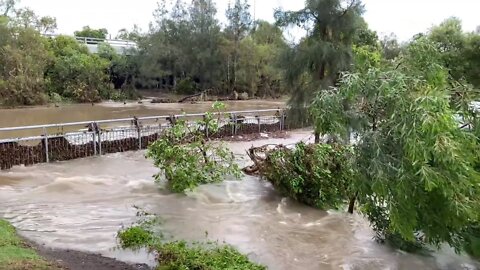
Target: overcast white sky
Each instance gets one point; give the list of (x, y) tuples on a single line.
[(402, 17)]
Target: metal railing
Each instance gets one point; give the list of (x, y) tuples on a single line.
[(66, 141), (121, 46)]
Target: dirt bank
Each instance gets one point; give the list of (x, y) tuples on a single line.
[(77, 260)]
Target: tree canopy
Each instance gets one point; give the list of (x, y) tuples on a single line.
[(316, 62), (92, 33)]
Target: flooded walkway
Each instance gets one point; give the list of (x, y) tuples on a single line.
[(81, 204)]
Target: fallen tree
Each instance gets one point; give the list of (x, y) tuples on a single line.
[(318, 175)]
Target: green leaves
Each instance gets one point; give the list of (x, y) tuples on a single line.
[(23, 61), (315, 63), (188, 160), (75, 73), (318, 175), (415, 170)]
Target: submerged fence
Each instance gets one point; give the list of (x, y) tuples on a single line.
[(59, 142)]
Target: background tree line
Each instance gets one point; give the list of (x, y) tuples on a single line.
[(35, 69), (187, 50)]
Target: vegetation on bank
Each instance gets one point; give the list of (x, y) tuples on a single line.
[(15, 254), (35, 69), (183, 255)]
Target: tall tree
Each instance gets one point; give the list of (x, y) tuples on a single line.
[(23, 61), (239, 23), (451, 40), (182, 50), (205, 58), (390, 46), (316, 62), (258, 73), (46, 25), (135, 34), (472, 56), (7, 6), (26, 18)]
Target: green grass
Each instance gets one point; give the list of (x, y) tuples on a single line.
[(15, 254)]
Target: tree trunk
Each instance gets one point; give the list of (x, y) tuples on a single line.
[(317, 137), (321, 74), (351, 205), (235, 62)]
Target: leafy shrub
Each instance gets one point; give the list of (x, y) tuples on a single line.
[(318, 175), (77, 74), (23, 60), (135, 237), (186, 87), (472, 240), (180, 255), (187, 159), (56, 98)]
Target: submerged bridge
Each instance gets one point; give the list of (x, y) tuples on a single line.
[(67, 141)]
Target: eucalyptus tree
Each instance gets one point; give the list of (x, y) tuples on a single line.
[(390, 46), (7, 6), (460, 50), (315, 63), (239, 24), (258, 72), (182, 49), (205, 59)]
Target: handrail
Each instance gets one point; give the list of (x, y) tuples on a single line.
[(99, 40), (108, 121)]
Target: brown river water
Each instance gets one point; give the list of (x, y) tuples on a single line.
[(81, 204)]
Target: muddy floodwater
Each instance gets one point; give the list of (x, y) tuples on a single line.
[(112, 110), (68, 113), (81, 204)]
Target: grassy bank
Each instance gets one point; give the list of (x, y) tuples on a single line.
[(15, 254)]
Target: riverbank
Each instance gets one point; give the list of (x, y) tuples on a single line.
[(19, 254), (16, 254)]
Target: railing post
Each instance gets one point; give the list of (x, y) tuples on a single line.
[(99, 142), (259, 125), (136, 123), (139, 131), (45, 134), (94, 139), (234, 126)]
